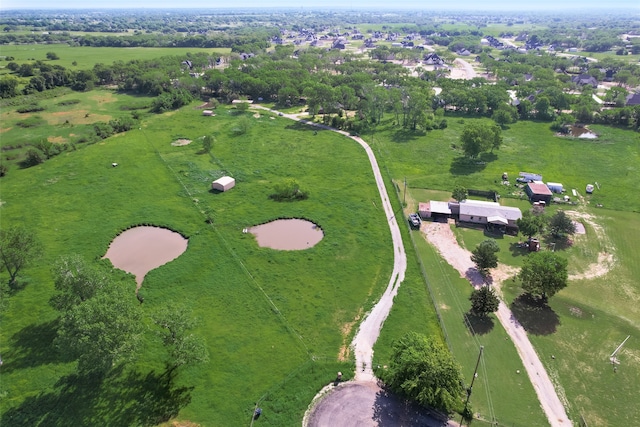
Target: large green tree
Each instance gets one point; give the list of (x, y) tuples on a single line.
[(561, 226), (18, 247), (485, 256), (460, 193), (424, 370), (484, 301), (531, 224), (184, 348), (543, 274), (101, 332), (479, 137), (76, 281)]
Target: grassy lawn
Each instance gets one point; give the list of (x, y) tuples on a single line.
[(434, 160), (274, 321), (588, 319), (87, 56)]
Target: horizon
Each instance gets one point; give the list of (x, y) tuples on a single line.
[(353, 5)]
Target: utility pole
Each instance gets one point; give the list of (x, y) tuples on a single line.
[(404, 198), (470, 389)]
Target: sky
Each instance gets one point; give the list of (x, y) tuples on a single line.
[(500, 5)]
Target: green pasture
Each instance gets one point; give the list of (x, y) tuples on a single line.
[(274, 321), (585, 323), (87, 56), (434, 160)]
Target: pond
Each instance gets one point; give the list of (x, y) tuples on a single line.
[(287, 234), (141, 249)]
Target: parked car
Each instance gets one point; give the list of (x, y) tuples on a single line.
[(414, 220)]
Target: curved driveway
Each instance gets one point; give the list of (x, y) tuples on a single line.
[(370, 327)]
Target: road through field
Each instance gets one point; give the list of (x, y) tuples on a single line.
[(370, 327), (441, 236)]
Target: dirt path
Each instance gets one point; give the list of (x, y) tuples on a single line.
[(469, 72), (441, 236), (369, 329)]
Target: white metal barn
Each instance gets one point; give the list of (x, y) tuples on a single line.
[(223, 184)]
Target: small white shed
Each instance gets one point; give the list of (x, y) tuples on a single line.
[(207, 113), (223, 184)]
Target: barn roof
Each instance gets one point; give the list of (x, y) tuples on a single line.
[(539, 189)]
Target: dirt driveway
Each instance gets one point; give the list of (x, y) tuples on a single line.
[(364, 404)]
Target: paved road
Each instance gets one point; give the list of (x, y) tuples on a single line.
[(365, 404), (370, 328)]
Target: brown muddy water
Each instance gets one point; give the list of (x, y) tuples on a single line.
[(141, 249), (287, 234)]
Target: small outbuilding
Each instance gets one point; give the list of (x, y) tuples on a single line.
[(538, 192), (434, 209), (555, 187), (223, 184)]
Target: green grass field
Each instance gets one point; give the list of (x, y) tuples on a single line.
[(86, 56), (585, 321), (274, 321)]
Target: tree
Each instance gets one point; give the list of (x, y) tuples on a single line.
[(484, 301), (504, 116), (76, 282), (19, 246), (543, 108), (207, 143), (460, 193), (480, 137), (485, 256), (52, 56), (561, 225), (423, 370), (8, 87), (543, 274), (184, 348), (531, 224), (242, 107), (101, 332)]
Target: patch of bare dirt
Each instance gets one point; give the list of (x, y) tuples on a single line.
[(345, 331), (606, 258), (57, 139), (2, 130), (104, 97), (181, 142), (605, 263)]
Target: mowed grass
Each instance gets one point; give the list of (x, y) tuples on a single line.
[(589, 318), (86, 56), (274, 321)]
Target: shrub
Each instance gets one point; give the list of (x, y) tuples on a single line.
[(31, 108), (288, 191), (34, 157), (69, 102), (31, 122)]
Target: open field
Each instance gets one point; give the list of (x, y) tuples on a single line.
[(68, 118), (274, 322), (86, 56)]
